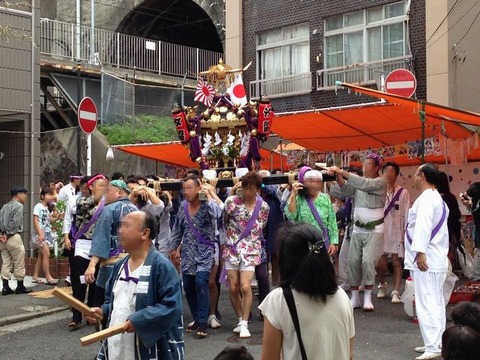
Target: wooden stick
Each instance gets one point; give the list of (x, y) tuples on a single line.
[(76, 304), (114, 330)]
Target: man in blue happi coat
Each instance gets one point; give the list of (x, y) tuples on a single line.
[(144, 296)]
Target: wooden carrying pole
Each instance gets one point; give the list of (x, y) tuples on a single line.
[(76, 304), (92, 338)]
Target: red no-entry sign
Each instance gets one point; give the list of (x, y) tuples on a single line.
[(401, 82), (87, 115)]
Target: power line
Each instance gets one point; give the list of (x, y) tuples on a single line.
[(471, 25), (451, 27), (441, 23)]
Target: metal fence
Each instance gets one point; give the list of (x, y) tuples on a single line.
[(67, 41), (284, 86), (124, 102), (364, 73)]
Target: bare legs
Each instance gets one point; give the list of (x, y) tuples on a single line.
[(43, 261)]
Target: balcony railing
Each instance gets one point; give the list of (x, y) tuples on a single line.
[(280, 87), (66, 41), (364, 74)]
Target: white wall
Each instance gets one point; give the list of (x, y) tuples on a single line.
[(461, 176)]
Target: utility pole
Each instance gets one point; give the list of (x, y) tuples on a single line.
[(92, 32), (79, 135)]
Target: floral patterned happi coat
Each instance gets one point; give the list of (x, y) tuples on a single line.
[(248, 249)]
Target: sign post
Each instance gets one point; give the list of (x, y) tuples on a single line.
[(401, 82), (87, 119)]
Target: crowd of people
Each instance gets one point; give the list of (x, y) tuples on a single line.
[(133, 247)]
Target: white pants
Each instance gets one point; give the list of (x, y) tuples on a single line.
[(430, 307)]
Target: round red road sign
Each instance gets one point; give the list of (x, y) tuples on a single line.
[(401, 82), (87, 115)]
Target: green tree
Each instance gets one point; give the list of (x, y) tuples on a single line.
[(140, 130)]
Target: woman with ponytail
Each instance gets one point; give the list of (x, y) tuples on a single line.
[(309, 316)]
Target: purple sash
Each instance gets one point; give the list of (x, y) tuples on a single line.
[(392, 203), (315, 213), (88, 225), (253, 218), (435, 230), (194, 230)]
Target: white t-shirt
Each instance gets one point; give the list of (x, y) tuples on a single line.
[(43, 216), (423, 217), (326, 328), (122, 346)]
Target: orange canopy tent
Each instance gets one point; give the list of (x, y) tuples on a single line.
[(394, 121), (174, 153)]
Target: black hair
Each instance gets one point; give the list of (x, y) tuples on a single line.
[(45, 190), (195, 179), (460, 343), (234, 353), (474, 192), (140, 177), (117, 175), (252, 178), (76, 174), (393, 165), (153, 177), (150, 222), (84, 181), (304, 270), (132, 181), (467, 314), (193, 172), (430, 172), (443, 183)]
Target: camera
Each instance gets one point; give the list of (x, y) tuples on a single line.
[(239, 193), (303, 191)]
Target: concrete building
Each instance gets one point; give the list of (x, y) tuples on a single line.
[(301, 48), (19, 104), (315, 43)]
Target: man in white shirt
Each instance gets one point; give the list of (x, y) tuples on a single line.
[(426, 249), (69, 191)]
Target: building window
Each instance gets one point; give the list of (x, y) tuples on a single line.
[(360, 45), (373, 34), (284, 60)]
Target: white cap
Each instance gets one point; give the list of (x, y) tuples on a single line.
[(209, 174), (313, 174), (239, 172)]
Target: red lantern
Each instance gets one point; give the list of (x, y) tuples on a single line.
[(265, 118), (181, 124)]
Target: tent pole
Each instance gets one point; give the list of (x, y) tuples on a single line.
[(422, 120)]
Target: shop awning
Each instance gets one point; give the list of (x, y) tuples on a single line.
[(373, 125), (174, 153)]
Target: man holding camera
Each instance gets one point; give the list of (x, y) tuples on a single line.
[(366, 245), (307, 204)]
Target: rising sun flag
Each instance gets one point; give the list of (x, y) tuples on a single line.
[(204, 92)]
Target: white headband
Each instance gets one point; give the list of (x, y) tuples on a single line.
[(313, 174)]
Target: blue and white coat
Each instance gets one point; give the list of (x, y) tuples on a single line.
[(158, 317)]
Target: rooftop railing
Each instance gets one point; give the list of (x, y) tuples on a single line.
[(67, 41)]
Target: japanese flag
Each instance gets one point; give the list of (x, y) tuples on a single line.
[(237, 91)]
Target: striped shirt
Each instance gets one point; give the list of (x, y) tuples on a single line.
[(11, 217)]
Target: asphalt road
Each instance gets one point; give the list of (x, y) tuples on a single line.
[(385, 334)]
